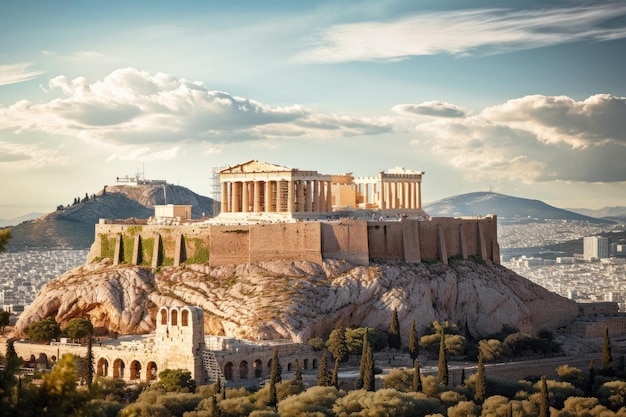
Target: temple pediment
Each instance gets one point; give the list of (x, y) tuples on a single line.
[(255, 166)]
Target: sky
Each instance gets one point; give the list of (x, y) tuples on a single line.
[(523, 98)]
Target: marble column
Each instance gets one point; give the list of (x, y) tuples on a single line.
[(315, 188), (419, 195), (308, 200), (279, 196), (257, 196), (224, 197), (329, 196), (267, 196), (299, 196), (244, 197), (290, 196)]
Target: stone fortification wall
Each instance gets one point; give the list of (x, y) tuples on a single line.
[(346, 239), (436, 239), (385, 240), (294, 241), (357, 241), (230, 245)]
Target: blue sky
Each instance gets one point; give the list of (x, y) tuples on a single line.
[(526, 99)]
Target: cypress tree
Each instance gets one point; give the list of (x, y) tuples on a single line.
[(89, 362), (218, 385), (274, 379), (337, 344), (442, 369), (544, 404), (334, 381), (298, 374), (394, 339), (591, 380), (368, 368), (414, 347), (607, 358), (361, 379), (480, 392), (216, 411), (322, 373), (416, 386)]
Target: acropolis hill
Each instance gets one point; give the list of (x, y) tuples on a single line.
[(270, 213), (294, 251)]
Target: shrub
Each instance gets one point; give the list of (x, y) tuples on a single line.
[(493, 349), (386, 402), (314, 401)]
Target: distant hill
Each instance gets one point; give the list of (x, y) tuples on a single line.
[(73, 226), (508, 209), (616, 214), (17, 220)]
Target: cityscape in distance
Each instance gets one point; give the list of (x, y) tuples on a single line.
[(538, 241)]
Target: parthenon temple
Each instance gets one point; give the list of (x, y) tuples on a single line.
[(255, 188)]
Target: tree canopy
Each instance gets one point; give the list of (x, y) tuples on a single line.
[(5, 235), (44, 330), (176, 380), (78, 328)]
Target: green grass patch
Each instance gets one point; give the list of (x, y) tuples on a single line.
[(107, 247), (477, 259), (201, 252), (128, 244), (147, 249)]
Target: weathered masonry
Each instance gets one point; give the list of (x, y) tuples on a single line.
[(358, 241), (255, 188), (179, 342)]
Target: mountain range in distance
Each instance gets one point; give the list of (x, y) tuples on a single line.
[(74, 226), (511, 209), (17, 220)]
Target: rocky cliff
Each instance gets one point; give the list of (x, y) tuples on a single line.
[(298, 300)]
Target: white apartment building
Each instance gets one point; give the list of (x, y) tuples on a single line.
[(595, 247)]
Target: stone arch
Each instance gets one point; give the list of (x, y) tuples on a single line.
[(258, 368), (269, 364), (174, 317), (102, 368), (118, 368), (164, 316), (243, 370), (228, 371), (151, 371), (305, 364), (135, 370), (314, 364), (42, 361), (289, 367), (184, 317)]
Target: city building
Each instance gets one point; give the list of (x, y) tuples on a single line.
[(595, 248)]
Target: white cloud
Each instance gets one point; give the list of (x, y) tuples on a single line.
[(536, 138), (138, 109), (479, 31), (22, 157), (430, 108), (16, 73)]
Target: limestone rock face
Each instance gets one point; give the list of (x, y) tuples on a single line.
[(298, 300)]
